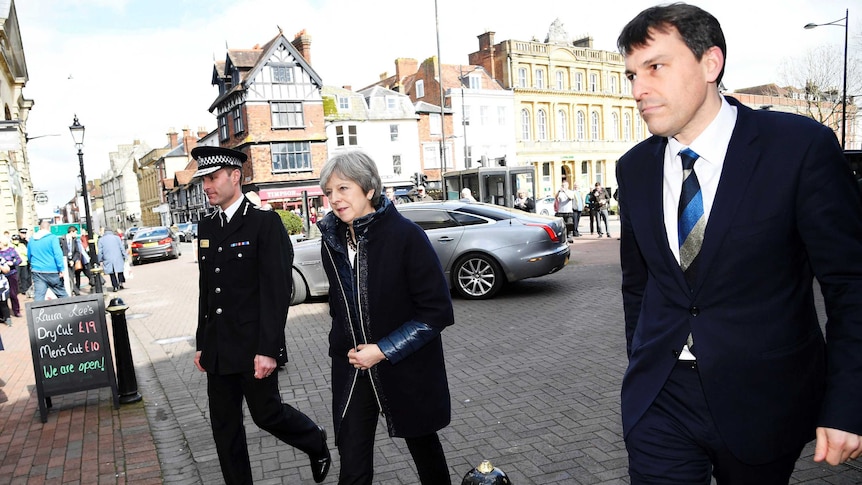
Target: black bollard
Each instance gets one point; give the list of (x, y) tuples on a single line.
[(127, 383), (486, 474)]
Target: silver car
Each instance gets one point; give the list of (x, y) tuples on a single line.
[(481, 247)]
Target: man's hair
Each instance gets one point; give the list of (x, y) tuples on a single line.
[(698, 29), (72, 229), (356, 166)]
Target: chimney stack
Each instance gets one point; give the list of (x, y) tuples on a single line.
[(172, 138)]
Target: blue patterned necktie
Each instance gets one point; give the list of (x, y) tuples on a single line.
[(692, 221)]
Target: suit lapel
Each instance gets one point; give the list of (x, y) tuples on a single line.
[(742, 156)]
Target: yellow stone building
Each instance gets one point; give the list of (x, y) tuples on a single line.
[(574, 112)]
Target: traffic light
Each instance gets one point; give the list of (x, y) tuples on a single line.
[(415, 178), (423, 179)]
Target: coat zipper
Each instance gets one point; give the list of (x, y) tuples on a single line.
[(352, 335), (362, 326)]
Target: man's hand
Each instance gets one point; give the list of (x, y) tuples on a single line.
[(263, 366), (365, 356), (836, 446), (198, 361)]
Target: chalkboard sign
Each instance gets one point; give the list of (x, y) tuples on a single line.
[(70, 346)]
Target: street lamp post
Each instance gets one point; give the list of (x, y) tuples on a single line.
[(77, 130), (846, 26)]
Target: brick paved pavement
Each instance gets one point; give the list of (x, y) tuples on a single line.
[(534, 376)]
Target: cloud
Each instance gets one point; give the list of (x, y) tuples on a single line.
[(141, 67)]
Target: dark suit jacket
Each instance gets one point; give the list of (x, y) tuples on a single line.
[(786, 210), (245, 278)]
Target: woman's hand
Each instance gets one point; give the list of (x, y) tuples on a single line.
[(365, 356)]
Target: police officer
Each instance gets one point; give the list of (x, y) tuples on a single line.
[(245, 258)]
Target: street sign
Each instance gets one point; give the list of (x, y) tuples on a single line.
[(41, 198)]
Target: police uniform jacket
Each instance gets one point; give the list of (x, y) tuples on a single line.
[(245, 280)]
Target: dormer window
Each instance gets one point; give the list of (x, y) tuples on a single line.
[(420, 88)]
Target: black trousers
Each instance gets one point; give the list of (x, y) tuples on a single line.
[(269, 413), (576, 222), (356, 444), (676, 442)]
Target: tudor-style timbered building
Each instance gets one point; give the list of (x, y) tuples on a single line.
[(270, 107)]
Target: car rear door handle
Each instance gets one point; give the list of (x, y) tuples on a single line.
[(445, 239)]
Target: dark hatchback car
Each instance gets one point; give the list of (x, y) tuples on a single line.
[(155, 243)]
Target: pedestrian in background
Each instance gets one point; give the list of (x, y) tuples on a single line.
[(77, 258), (421, 195), (563, 207), (24, 280), (524, 202), (389, 302), (725, 223), (600, 198), (244, 257), (10, 255), (577, 208), (47, 265), (112, 255)]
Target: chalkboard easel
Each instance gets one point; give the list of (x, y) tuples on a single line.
[(70, 347)]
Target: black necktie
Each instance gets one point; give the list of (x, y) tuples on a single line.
[(223, 218)]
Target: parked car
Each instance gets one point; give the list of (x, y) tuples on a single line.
[(545, 206), (130, 233), (187, 231), (481, 247), (155, 243)]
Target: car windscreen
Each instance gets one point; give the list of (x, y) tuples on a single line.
[(158, 232)]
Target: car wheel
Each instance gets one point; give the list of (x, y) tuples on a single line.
[(298, 291), (477, 277)]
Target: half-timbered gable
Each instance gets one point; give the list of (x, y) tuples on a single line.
[(270, 107)]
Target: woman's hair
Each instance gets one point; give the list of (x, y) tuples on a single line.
[(698, 29), (4, 240), (356, 166)]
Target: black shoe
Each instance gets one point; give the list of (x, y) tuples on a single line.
[(122, 287), (320, 464)]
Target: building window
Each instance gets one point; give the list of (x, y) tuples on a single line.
[(282, 74), (599, 174), (639, 127), (582, 120), (393, 133), (561, 78), (222, 128), (292, 156), (613, 83), (391, 102), (594, 82), (346, 137), (287, 115), (579, 81), (562, 126), (522, 77), (594, 126), (525, 124), (343, 103), (615, 126), (434, 127), (396, 164), (501, 116), (474, 81), (237, 121), (627, 127), (540, 79), (541, 125), (420, 88), (627, 88), (483, 116)]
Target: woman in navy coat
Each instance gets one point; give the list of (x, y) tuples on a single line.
[(389, 301)]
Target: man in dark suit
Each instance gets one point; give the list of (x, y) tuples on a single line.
[(728, 370), (245, 259)]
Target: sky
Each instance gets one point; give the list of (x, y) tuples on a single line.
[(134, 69)]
